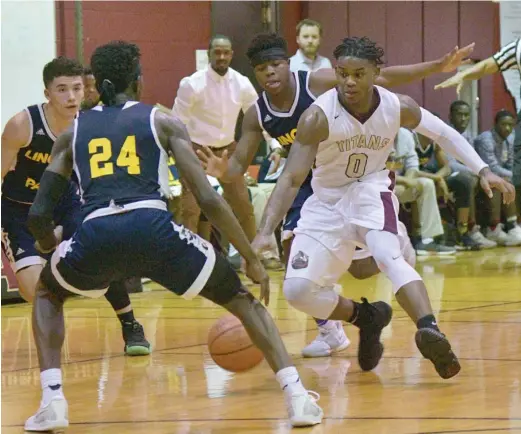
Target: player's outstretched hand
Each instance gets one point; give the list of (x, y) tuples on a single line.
[(257, 273), (489, 180), (456, 57), (50, 244), (213, 165)]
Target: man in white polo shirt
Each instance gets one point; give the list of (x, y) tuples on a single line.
[(309, 36), (209, 102)]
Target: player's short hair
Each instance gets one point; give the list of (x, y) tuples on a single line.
[(310, 23), (219, 36), (265, 41), (458, 103), (362, 48), (61, 67), (503, 113), (115, 67)]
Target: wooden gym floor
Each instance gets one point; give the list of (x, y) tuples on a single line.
[(178, 390)]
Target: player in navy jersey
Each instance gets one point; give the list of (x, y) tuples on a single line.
[(27, 142), (286, 95), (119, 153)]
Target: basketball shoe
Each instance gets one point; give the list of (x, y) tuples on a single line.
[(331, 339), (53, 417)]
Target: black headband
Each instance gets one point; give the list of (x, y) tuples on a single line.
[(275, 53)]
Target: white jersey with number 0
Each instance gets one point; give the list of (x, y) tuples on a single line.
[(353, 150)]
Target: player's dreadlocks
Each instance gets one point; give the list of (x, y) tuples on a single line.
[(266, 46), (362, 48), (115, 66), (61, 67)]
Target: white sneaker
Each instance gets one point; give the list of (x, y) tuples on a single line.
[(53, 417), (479, 238), (498, 235), (303, 409), (514, 236), (331, 339)]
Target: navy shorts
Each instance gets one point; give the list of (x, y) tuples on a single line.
[(142, 242), (17, 241), (293, 216)]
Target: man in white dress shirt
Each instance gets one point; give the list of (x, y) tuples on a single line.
[(309, 36), (209, 102)]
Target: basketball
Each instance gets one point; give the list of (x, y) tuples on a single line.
[(230, 346)]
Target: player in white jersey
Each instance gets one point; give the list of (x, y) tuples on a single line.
[(347, 135)]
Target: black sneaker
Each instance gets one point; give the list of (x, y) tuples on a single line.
[(370, 349), (436, 347), (466, 242), (135, 341)]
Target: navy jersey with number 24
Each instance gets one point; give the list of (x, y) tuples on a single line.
[(117, 156)]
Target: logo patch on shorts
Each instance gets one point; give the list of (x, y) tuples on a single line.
[(300, 260)]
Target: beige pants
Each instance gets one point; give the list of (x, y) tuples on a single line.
[(430, 218)]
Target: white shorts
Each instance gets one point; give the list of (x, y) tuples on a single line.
[(327, 234)]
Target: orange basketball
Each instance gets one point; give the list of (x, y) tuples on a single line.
[(231, 347)]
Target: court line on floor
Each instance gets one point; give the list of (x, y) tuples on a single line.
[(204, 343), (113, 356), (470, 430), (137, 305), (363, 418), (403, 318), (354, 356)]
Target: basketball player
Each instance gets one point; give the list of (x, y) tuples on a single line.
[(27, 141), (277, 111), (118, 152), (346, 135)]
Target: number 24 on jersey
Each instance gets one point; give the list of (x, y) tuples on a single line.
[(100, 150)]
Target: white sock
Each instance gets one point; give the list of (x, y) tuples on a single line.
[(51, 380), (289, 380)]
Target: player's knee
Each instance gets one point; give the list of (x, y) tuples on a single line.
[(363, 268), (308, 297), (409, 254), (400, 272), (49, 287), (223, 285)]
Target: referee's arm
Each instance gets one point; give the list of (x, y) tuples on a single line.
[(503, 60)]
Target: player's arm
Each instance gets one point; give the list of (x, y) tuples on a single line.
[(503, 60), (175, 139), (228, 169), (414, 117), (53, 184), (16, 135), (312, 129), (324, 79), (475, 72), (397, 75)]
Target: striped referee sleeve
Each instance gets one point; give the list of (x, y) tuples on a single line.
[(506, 58)]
